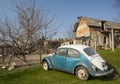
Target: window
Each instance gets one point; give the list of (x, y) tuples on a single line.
[(61, 52), (104, 40), (89, 51), (73, 53)]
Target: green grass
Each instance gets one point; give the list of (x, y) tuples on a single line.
[(37, 75)]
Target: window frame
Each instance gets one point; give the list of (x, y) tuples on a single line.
[(59, 53), (73, 56), (89, 51)]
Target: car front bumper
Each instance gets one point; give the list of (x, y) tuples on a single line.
[(104, 73)]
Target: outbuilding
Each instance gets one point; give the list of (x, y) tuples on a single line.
[(97, 33)]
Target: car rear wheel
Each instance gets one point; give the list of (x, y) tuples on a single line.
[(45, 66), (82, 73)]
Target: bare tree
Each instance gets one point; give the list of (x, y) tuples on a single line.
[(27, 27), (116, 5), (49, 32), (70, 33)]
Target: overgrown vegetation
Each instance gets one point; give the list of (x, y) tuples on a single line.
[(37, 75)]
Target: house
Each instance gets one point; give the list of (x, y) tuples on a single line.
[(97, 33)]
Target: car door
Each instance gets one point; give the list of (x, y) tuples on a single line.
[(59, 59), (72, 58)]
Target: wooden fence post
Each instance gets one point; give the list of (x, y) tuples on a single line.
[(40, 54), (112, 30), (3, 56)]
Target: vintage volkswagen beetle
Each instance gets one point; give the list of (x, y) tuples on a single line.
[(78, 59)]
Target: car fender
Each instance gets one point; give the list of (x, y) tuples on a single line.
[(48, 60), (87, 65)]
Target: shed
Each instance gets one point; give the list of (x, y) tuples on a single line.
[(97, 33)]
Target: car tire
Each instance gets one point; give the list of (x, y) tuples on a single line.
[(45, 66), (82, 73)]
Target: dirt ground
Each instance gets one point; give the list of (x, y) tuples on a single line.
[(32, 60)]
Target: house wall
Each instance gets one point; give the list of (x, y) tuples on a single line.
[(96, 39), (83, 29)]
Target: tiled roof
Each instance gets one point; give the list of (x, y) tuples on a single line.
[(98, 23), (92, 22), (114, 25)]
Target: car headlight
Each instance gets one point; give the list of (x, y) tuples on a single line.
[(104, 65)]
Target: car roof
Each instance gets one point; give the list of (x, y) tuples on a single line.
[(75, 46)]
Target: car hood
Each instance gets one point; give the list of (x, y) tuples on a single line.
[(99, 62)]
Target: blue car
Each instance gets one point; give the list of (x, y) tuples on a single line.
[(77, 59)]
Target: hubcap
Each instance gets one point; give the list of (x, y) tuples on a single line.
[(45, 66), (82, 74)]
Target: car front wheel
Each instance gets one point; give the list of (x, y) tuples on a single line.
[(45, 66), (82, 73)]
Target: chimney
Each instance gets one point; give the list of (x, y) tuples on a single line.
[(103, 25)]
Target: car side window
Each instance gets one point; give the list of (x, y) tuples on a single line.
[(73, 53), (61, 52)]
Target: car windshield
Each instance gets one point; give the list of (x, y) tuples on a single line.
[(89, 51)]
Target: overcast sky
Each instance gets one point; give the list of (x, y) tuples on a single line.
[(65, 12)]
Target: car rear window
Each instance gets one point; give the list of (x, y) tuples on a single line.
[(89, 51)]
